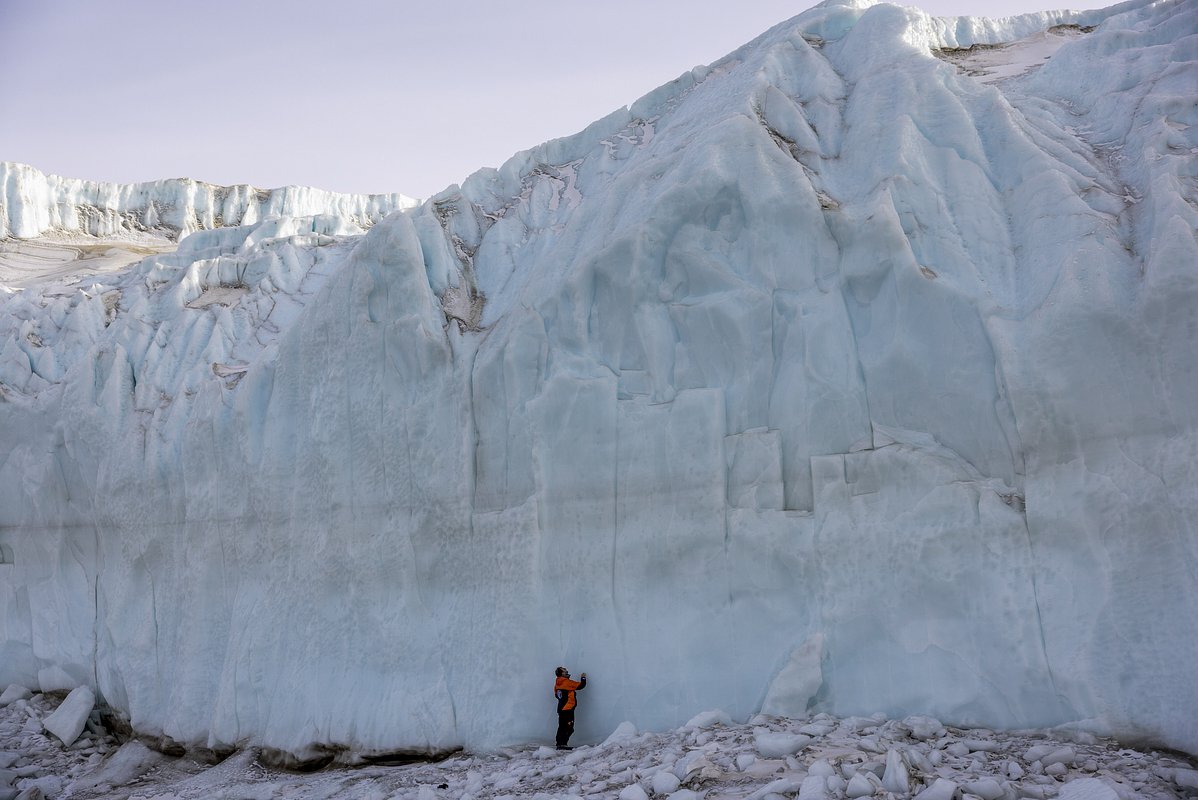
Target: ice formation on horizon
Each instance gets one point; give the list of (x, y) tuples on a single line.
[(33, 204)]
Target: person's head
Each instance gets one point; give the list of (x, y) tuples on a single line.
[(562, 672)]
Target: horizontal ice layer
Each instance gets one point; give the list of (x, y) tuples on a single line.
[(825, 375), (33, 203)]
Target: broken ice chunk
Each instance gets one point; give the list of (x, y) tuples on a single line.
[(863, 784), (987, 789), (665, 782), (625, 730), (709, 719), (67, 722), (942, 789), (814, 787), (779, 745), (1087, 789), (923, 728), (896, 779)]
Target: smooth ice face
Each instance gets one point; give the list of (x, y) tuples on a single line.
[(827, 377)]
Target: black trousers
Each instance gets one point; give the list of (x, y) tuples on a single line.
[(565, 727)]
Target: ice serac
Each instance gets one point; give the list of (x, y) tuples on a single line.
[(829, 375)]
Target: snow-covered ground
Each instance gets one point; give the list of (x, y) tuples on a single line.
[(769, 758)]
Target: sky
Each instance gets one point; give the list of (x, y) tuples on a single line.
[(352, 95)]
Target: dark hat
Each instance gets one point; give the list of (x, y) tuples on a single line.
[(561, 672)]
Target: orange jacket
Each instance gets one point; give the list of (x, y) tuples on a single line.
[(563, 690)]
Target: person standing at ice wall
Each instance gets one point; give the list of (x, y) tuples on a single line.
[(563, 690)]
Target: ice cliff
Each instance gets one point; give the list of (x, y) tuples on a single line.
[(828, 377), (33, 203)]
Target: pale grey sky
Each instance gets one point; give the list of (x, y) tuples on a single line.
[(352, 95)]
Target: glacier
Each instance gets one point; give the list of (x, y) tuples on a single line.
[(33, 203), (828, 378)]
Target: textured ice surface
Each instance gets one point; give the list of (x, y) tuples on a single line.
[(827, 342)]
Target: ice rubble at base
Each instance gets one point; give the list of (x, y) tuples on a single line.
[(827, 759), (825, 376)]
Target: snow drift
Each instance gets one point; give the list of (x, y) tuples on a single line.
[(827, 377)]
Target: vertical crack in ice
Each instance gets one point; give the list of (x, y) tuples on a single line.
[(96, 616), (154, 617), (408, 461), (469, 365), (727, 525), (1031, 547), (1008, 423), (472, 435), (869, 416), (615, 605)]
